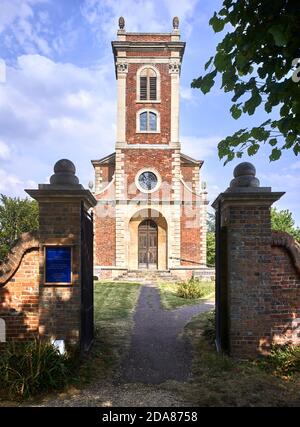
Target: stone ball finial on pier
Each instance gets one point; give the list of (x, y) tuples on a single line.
[(175, 22), (64, 173), (244, 176), (121, 23)]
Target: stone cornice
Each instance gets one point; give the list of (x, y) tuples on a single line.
[(170, 146), (50, 193), (153, 202), (262, 196), (146, 46), (8, 268)]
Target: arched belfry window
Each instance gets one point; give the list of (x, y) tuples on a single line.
[(148, 121), (148, 81)]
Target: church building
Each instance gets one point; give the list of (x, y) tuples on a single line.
[(151, 210)]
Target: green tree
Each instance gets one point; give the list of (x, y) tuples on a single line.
[(16, 216), (210, 240), (210, 222), (282, 220), (258, 61), (210, 248)]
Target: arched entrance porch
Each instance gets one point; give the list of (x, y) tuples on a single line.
[(147, 246)]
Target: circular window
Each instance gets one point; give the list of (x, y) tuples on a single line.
[(148, 180)]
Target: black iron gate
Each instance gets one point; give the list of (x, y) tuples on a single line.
[(87, 283), (222, 341)]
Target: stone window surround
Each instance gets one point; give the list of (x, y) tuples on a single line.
[(138, 74), (140, 188), (150, 110)]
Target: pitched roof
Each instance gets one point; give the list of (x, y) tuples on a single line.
[(189, 160), (105, 160)]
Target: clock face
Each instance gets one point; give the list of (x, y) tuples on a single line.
[(148, 180)]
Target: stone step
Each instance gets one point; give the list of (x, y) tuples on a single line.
[(147, 275), (205, 273), (162, 275)]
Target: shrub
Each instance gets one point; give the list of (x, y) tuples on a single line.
[(283, 360), (191, 289), (209, 326), (32, 367)]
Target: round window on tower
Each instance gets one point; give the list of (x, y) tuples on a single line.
[(147, 181)]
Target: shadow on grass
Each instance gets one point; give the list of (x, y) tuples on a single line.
[(114, 304), (219, 380)]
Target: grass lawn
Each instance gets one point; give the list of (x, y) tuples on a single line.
[(170, 300), (114, 305), (221, 381)]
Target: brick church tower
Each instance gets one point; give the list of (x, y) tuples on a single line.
[(151, 211)]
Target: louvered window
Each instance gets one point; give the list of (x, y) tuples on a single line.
[(148, 85), (148, 121), (143, 88)]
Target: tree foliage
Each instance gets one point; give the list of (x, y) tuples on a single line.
[(17, 216), (210, 239), (282, 220), (256, 60), (210, 222), (210, 248)]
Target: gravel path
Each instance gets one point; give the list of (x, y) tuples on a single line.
[(158, 351), (152, 373)]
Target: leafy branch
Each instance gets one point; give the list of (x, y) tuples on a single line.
[(256, 58)]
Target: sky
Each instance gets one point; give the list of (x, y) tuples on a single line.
[(58, 92)]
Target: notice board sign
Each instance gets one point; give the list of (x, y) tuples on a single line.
[(58, 264)]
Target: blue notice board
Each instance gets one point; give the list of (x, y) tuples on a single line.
[(58, 264)]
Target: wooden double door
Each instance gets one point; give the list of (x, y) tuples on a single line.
[(148, 245)]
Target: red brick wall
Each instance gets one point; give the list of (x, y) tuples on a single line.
[(104, 235), (135, 160), (249, 257), (163, 108), (19, 296), (190, 236), (107, 171), (187, 173), (60, 314), (285, 304), (165, 53), (263, 281), (148, 37)]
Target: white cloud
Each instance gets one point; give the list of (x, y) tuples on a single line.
[(53, 110), (149, 15), (24, 28), (24, 25), (295, 166), (12, 10), (9, 183), (289, 180), (4, 150), (186, 93), (200, 147)]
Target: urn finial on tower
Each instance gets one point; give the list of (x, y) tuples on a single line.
[(175, 22), (121, 23)]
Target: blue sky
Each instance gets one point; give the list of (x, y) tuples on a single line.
[(59, 96)]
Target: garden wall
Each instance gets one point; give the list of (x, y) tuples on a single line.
[(19, 289)]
